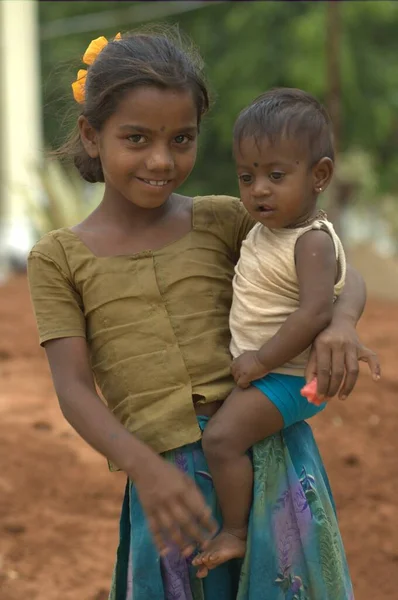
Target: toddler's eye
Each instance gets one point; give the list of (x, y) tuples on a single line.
[(182, 139), (276, 176)]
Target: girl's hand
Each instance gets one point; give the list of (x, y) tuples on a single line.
[(247, 368), (176, 510), (334, 360)]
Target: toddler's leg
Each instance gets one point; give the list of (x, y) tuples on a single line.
[(246, 417)]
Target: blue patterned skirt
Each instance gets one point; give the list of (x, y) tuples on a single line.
[(294, 549)]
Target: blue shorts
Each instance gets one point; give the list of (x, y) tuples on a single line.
[(284, 393)]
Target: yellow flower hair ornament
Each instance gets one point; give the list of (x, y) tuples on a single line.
[(93, 49)]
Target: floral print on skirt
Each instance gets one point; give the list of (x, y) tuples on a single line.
[(294, 549)]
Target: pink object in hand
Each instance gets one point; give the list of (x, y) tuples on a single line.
[(309, 392)]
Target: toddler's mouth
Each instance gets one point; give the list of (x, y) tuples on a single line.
[(265, 208)]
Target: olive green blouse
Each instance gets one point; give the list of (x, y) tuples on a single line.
[(156, 322)]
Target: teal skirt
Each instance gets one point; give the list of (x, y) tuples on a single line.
[(294, 549)]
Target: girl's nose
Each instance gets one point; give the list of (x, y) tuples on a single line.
[(160, 160)]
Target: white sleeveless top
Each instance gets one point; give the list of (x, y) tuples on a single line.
[(266, 289)]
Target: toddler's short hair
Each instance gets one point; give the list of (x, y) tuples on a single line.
[(288, 113)]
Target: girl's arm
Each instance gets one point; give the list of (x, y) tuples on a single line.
[(337, 350), (316, 272), (174, 507), (350, 304)]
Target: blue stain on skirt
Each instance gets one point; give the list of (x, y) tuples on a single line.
[(294, 547)]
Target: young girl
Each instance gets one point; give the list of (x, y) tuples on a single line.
[(136, 299), (292, 267)]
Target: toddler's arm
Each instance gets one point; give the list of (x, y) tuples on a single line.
[(316, 271)]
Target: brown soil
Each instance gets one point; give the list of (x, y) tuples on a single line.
[(59, 506)]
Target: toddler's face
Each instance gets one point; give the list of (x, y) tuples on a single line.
[(276, 181)]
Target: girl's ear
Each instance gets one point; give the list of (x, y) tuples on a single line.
[(89, 137)]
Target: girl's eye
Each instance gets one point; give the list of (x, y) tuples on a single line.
[(137, 138), (276, 176), (245, 178), (182, 139)]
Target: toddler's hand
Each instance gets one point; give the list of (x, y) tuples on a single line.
[(247, 368)]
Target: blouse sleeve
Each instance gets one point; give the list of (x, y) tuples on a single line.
[(243, 224), (232, 221), (57, 304)]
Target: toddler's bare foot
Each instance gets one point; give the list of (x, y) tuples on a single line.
[(227, 545)]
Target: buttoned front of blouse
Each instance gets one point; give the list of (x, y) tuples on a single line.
[(156, 323)]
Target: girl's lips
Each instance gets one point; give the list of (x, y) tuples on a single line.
[(155, 183)]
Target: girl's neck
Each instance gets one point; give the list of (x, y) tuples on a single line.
[(127, 216), (113, 230)]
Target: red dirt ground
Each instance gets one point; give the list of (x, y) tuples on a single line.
[(59, 506)]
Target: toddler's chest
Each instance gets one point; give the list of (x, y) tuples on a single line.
[(268, 264)]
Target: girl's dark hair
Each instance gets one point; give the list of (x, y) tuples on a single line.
[(289, 113), (157, 57)]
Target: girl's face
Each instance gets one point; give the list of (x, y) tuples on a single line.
[(278, 187), (148, 146)]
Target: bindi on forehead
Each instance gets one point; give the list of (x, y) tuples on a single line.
[(163, 128), (255, 164)]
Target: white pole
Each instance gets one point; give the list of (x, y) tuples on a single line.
[(20, 123)]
